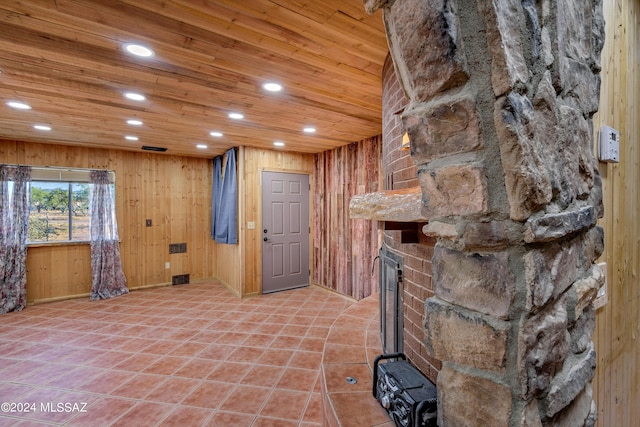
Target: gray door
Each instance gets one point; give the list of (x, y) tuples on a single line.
[(285, 231)]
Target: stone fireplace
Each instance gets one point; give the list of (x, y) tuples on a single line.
[(500, 99)]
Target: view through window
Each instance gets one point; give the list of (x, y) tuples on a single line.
[(58, 212), (59, 205)]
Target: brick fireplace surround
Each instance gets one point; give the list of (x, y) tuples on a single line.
[(500, 99)]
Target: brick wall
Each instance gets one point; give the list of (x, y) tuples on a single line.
[(400, 172)]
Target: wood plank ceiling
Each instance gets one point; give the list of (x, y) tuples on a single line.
[(65, 58)]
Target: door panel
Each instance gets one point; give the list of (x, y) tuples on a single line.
[(285, 223)]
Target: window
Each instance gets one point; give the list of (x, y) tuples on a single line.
[(59, 206)]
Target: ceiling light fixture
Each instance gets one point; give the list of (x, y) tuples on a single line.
[(131, 138), (202, 146), (216, 134), (135, 96), (139, 50), (236, 116), (272, 87), (278, 144), (134, 122), (42, 127), (18, 105), (309, 129)]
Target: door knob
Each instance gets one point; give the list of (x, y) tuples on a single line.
[(265, 239)]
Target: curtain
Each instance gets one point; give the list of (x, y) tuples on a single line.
[(224, 200), (106, 268), (14, 217)]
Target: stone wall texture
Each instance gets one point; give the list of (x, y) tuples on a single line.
[(500, 100)]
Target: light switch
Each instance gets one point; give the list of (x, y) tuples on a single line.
[(251, 225), (609, 145)]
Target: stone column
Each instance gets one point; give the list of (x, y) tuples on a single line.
[(502, 95)]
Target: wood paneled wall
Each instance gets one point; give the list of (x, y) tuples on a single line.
[(617, 382), (344, 249), (254, 161), (174, 192)]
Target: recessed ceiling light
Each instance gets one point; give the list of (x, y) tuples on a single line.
[(135, 96), (18, 105), (134, 122), (279, 144), (42, 127), (138, 50), (216, 134), (202, 146), (236, 116), (309, 130), (272, 87), (131, 138)]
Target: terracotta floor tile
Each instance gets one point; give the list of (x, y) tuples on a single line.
[(306, 360), (358, 409), (294, 330), (166, 365), (275, 357), (139, 386), (273, 422), (286, 342), (222, 418), (102, 413), (197, 368), (246, 354), (106, 381), (138, 362), (143, 414), (74, 377), (185, 416), (229, 372), (217, 352), (188, 355), (312, 344), (285, 404), (209, 394), (259, 340), (246, 399), (313, 411), (173, 390), (263, 375), (10, 392), (298, 379), (188, 348), (161, 347)]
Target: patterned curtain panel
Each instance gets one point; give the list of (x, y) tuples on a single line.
[(106, 267), (14, 216)]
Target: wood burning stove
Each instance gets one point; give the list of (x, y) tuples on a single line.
[(390, 301)]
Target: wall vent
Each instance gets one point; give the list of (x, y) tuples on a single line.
[(177, 248), (151, 148), (180, 279)]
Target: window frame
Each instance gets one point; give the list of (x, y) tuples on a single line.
[(69, 177)]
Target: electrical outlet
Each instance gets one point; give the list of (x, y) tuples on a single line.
[(167, 265), (609, 145)]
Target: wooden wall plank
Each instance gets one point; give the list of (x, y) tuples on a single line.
[(616, 384), (344, 249), (172, 191)]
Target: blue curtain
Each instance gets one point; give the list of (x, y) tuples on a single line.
[(224, 200)]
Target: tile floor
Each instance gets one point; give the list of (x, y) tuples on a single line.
[(188, 355)]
